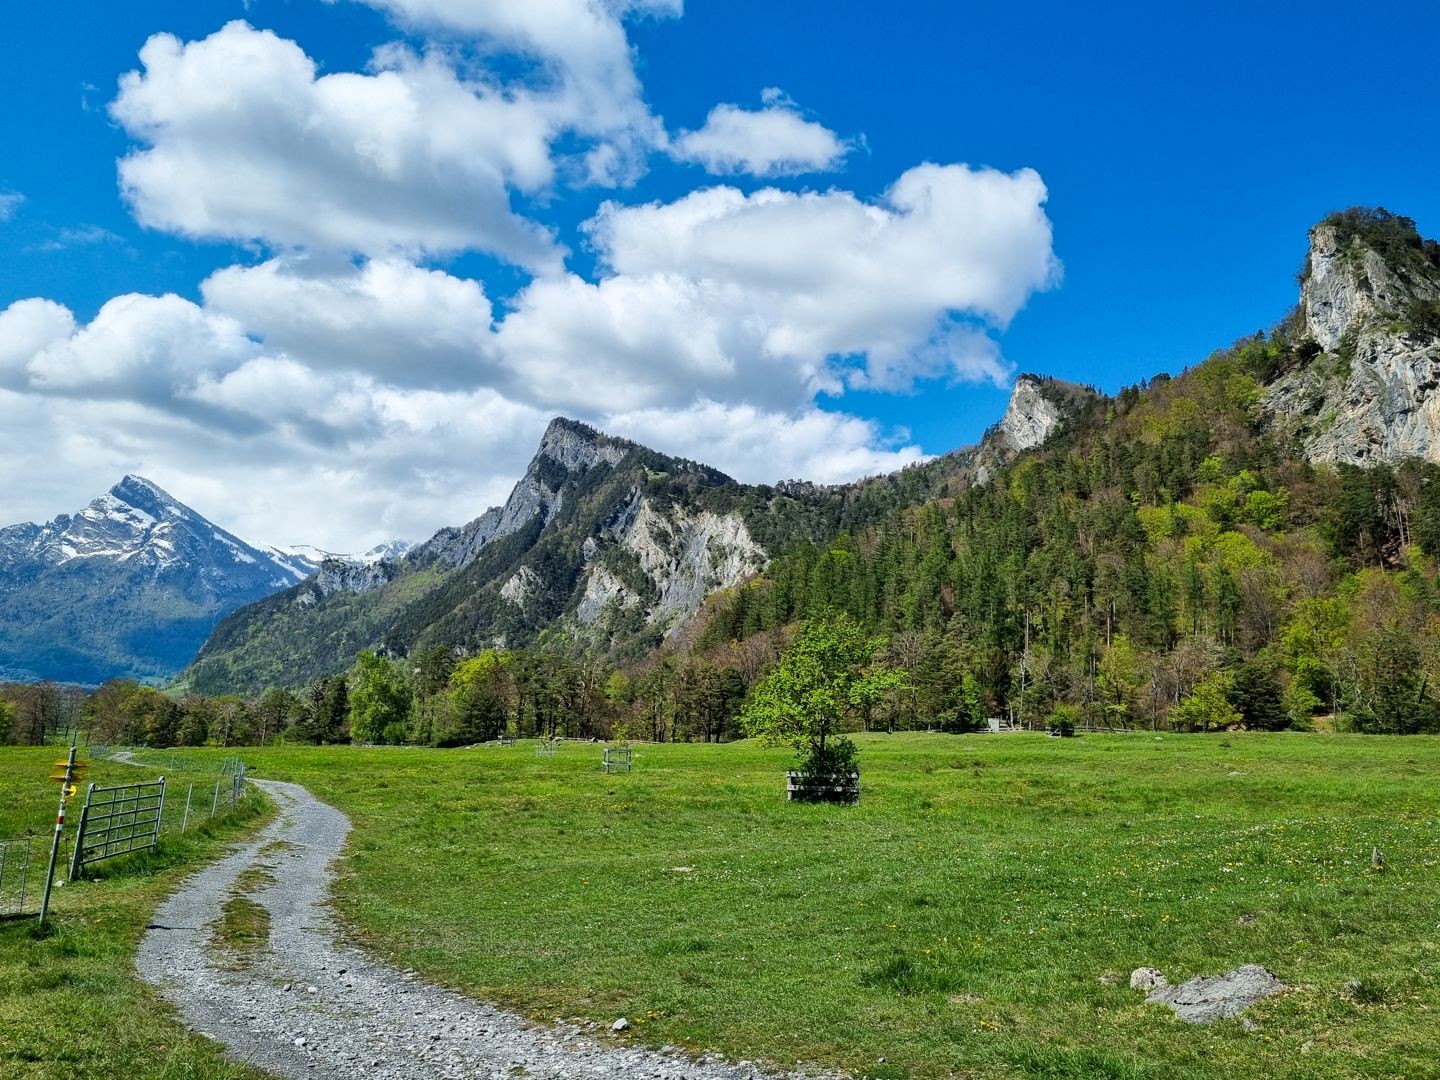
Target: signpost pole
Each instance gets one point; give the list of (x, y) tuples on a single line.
[(55, 843)]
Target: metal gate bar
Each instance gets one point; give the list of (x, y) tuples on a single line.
[(116, 822)]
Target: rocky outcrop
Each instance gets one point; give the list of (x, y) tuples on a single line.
[(576, 447), (455, 547), (603, 592), (684, 555), (520, 586), (1032, 415), (335, 576), (1208, 998), (1367, 390), (567, 448), (1039, 407)]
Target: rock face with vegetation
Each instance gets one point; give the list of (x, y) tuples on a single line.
[(603, 544), (128, 587), (1367, 336), (1039, 409)]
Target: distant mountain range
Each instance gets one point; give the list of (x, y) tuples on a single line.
[(131, 586), (610, 547)]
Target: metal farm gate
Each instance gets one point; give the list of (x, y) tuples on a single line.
[(117, 821), (16, 887)]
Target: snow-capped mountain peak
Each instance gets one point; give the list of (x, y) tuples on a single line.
[(129, 585), (140, 524)]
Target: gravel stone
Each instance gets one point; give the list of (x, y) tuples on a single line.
[(405, 1028)]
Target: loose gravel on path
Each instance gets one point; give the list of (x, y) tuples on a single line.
[(311, 1005)]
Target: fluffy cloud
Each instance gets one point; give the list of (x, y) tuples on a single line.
[(757, 446), (387, 397), (774, 141), (721, 294), (138, 348), (584, 61), (9, 203), (345, 390), (26, 328), (421, 463), (244, 141), (391, 319)]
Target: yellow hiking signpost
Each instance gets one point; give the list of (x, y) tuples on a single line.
[(66, 772)]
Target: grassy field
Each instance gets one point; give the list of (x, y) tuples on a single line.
[(977, 915), (70, 1004)]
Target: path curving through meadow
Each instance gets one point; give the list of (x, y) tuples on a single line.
[(311, 1005)]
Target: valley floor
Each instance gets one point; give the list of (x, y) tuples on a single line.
[(977, 915)]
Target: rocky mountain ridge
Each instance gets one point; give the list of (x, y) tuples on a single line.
[(602, 541)]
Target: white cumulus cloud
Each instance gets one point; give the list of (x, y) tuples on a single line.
[(773, 297), (774, 141), (244, 140), (376, 388), (584, 66), (388, 318)]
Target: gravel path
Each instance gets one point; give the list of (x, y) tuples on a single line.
[(313, 1006)]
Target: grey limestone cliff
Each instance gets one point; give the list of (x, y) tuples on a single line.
[(1367, 392), (1039, 407)]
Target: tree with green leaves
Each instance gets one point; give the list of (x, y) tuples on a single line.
[(380, 698), (1208, 707), (825, 677), (1258, 695), (481, 690)]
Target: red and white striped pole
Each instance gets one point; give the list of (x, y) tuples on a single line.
[(59, 826)]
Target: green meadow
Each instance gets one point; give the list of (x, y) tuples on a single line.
[(978, 914)]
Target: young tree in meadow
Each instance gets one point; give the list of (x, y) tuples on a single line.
[(1259, 697), (1120, 676), (822, 679)]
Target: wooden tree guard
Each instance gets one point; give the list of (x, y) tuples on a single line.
[(823, 787)]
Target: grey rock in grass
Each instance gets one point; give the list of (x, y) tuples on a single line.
[(1147, 978), (1205, 999)]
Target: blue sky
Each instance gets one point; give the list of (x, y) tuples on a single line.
[(1184, 152)]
